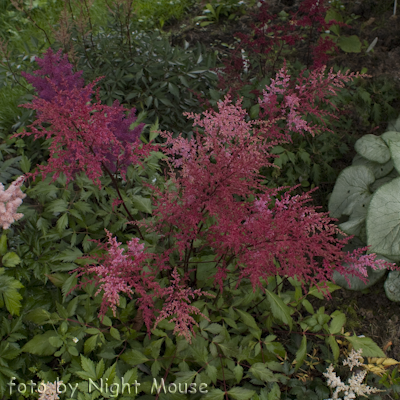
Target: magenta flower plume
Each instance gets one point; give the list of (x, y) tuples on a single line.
[(86, 137), (55, 72)]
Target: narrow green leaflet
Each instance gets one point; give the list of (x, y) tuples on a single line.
[(279, 309), (134, 357), (334, 346), (247, 319), (301, 353)]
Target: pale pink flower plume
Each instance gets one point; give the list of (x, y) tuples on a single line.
[(51, 392), (10, 200)]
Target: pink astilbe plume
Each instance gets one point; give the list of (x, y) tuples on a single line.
[(219, 200), (302, 97), (178, 305), (86, 137), (123, 272), (10, 200)]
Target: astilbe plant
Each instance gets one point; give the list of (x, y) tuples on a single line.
[(215, 198), (86, 137)]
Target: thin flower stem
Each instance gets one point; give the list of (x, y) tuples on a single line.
[(120, 196)]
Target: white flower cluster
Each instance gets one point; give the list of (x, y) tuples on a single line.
[(10, 200), (355, 387), (51, 392)]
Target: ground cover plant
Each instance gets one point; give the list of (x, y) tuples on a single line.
[(172, 267)]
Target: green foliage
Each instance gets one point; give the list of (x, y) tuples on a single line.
[(159, 12), (213, 12), (151, 75), (366, 195)]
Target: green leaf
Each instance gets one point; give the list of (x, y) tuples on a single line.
[(261, 372), (373, 148), (185, 377), (214, 394), (368, 346), (25, 164), (90, 344), (279, 309), (134, 357), (115, 333), (89, 367), (301, 353), (56, 341), (254, 111), (239, 393), (337, 323), (10, 259), (173, 89), (382, 222), (40, 345), (349, 44), (10, 294), (38, 316), (57, 206), (211, 371), (238, 372), (3, 244), (62, 223), (247, 319), (351, 191), (141, 203), (334, 346)]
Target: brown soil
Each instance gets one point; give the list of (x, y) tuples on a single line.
[(370, 313)]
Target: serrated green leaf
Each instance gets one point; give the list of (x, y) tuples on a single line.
[(142, 203), (90, 344), (261, 372), (10, 259), (134, 357), (239, 393), (279, 309), (368, 346), (334, 347)]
